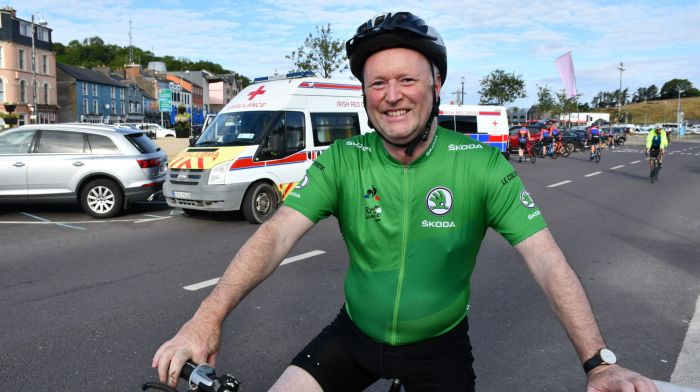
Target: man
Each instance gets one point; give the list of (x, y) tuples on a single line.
[(656, 144), (523, 140), (413, 201), (546, 139), (594, 139)]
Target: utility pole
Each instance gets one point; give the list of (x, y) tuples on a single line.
[(461, 101), (619, 93)]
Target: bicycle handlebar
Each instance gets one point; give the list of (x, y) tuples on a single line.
[(200, 378)]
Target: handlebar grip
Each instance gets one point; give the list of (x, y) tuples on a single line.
[(187, 369)]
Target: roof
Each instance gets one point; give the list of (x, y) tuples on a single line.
[(88, 75)]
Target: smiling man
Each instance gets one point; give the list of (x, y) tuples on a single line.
[(413, 202)]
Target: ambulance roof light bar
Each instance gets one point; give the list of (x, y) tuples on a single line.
[(291, 75)]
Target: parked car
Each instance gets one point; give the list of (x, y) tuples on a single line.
[(104, 168), (513, 143), (573, 140), (619, 134), (155, 131)]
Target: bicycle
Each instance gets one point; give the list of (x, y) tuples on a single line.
[(530, 153), (560, 150), (202, 378), (654, 173), (596, 154)]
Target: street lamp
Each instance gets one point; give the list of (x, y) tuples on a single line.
[(619, 93), (461, 101), (679, 115), (42, 22)]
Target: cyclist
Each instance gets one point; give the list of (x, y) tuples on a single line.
[(546, 139), (593, 138), (656, 144), (412, 230), (523, 140), (556, 135)]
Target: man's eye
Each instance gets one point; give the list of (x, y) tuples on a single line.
[(407, 81), (378, 84)]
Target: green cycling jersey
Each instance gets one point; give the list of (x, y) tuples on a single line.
[(413, 231)]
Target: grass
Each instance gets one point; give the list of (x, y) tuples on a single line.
[(657, 111)]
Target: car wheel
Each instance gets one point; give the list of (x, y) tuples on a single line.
[(259, 203), (102, 199), (621, 141), (570, 147)]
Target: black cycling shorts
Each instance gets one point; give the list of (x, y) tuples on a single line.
[(595, 140), (654, 152), (522, 144), (546, 140), (343, 358)]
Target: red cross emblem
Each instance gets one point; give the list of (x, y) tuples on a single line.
[(495, 123), (259, 91)]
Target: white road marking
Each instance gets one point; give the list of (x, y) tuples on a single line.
[(634, 162), (46, 221), (211, 282), (616, 167), (153, 218), (558, 183), (592, 174)]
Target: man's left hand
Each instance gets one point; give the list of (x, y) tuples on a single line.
[(612, 378)]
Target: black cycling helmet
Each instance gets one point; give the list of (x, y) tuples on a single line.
[(396, 30)]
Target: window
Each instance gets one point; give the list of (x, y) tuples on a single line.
[(123, 108), (59, 142), (95, 109), (462, 124), (20, 59), (2, 91), (101, 144), (328, 127), (113, 107), (42, 34), (121, 93), (285, 137), (85, 106), (22, 91), (45, 64), (16, 142), (25, 28), (112, 92), (46, 93), (94, 89), (85, 88)]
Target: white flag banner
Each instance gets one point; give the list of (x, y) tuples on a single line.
[(565, 65)]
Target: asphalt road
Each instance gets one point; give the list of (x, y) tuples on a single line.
[(86, 303)]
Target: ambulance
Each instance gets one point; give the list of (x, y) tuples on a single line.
[(260, 144), (485, 123), (254, 152)]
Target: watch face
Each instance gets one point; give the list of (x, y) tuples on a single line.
[(608, 356)]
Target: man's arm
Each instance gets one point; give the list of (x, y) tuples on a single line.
[(565, 293), (199, 338)]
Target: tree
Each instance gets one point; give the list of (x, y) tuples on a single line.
[(545, 101), (501, 88), (320, 54), (670, 88)]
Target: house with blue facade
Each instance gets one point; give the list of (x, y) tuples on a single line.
[(86, 95)]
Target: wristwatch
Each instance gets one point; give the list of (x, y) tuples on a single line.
[(603, 357)]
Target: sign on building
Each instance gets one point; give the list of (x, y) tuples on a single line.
[(166, 100)]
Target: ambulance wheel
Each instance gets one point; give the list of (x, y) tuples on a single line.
[(102, 199), (259, 203)]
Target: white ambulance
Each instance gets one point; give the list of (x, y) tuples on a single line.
[(259, 146), (485, 123)]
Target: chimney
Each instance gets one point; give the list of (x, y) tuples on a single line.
[(103, 69), (132, 71)]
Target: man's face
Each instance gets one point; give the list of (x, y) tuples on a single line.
[(398, 85)]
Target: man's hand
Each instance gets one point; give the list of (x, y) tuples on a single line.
[(196, 340), (613, 378)]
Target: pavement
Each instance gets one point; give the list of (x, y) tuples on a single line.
[(173, 145)]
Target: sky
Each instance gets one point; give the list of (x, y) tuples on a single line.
[(655, 40)]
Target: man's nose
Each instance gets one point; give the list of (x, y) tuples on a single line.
[(393, 91)]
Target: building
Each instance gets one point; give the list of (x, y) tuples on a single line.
[(29, 85), (192, 95), (86, 95)]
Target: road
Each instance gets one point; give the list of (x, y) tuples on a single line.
[(86, 303)]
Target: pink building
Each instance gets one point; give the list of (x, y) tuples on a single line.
[(40, 104)]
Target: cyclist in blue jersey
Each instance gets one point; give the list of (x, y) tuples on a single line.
[(414, 202), (546, 139), (593, 138), (523, 139)]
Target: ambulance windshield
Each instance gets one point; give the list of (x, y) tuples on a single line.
[(237, 128)]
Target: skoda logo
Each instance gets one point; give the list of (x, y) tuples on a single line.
[(439, 201), (526, 199), (304, 181)]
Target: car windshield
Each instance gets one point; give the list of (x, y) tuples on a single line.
[(237, 128)]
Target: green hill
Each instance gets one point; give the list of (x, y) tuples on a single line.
[(657, 111)]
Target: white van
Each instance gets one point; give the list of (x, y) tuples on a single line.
[(485, 123), (259, 146)]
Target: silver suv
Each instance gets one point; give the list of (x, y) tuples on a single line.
[(102, 167)]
